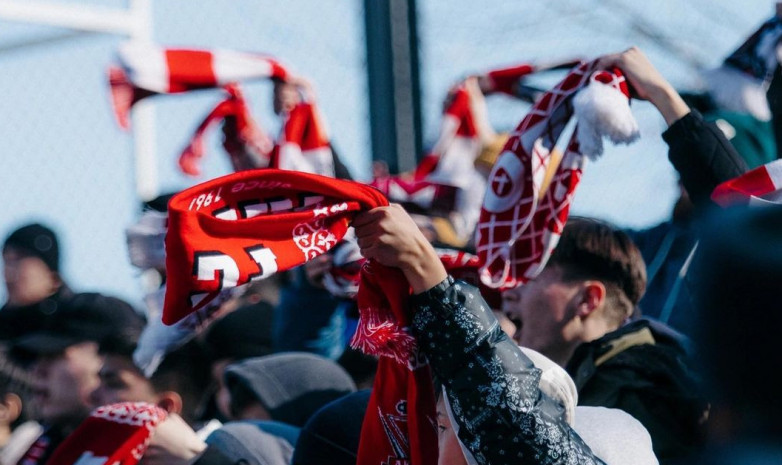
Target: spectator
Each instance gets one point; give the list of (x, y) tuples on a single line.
[(286, 387), (178, 384), (575, 311), (65, 363), (493, 388), (31, 270), (16, 432)]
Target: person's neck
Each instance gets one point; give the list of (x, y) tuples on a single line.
[(563, 354), (5, 435)]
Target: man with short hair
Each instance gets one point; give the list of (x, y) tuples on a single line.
[(65, 361), (576, 312), (589, 288)]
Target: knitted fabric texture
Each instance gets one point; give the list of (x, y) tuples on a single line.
[(145, 70), (519, 225), (760, 186), (250, 224), (112, 434)]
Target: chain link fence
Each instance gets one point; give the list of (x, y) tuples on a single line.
[(64, 161)]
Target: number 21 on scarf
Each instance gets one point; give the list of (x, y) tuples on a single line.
[(211, 266)]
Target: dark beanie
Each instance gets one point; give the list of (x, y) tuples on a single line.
[(332, 435), (243, 333), (38, 241), (290, 386)]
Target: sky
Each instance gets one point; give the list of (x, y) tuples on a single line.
[(65, 163)]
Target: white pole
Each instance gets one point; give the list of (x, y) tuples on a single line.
[(143, 117), (94, 18), (136, 23)]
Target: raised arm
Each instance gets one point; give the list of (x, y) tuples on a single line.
[(698, 150), (493, 388)]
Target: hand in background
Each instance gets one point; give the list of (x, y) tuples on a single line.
[(647, 82)]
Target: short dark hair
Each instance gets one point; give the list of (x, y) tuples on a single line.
[(594, 249), (185, 371), (14, 380)]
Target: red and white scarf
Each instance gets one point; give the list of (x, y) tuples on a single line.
[(145, 70), (418, 195), (519, 226), (304, 142), (112, 434), (507, 80), (249, 135), (248, 225), (760, 186)]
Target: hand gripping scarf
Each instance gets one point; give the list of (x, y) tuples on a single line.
[(250, 224), (116, 434), (519, 225), (760, 186), (145, 70)]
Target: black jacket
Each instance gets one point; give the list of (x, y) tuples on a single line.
[(702, 155), (492, 387), (645, 369)]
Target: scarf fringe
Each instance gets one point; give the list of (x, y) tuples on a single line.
[(603, 111), (379, 334)]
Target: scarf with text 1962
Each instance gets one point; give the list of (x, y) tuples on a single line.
[(251, 224), (112, 434), (146, 70), (520, 222)]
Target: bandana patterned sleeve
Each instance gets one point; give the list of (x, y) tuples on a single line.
[(492, 387)]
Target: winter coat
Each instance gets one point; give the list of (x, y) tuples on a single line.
[(492, 387), (645, 369)]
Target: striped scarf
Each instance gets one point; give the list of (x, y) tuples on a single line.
[(146, 70)]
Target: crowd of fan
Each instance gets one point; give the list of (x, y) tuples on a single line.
[(631, 347)]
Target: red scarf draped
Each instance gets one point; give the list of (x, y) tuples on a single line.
[(112, 434)]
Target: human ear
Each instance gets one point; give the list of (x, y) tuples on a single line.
[(170, 401), (592, 296), (10, 408)]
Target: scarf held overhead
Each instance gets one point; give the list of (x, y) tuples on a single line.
[(146, 70), (249, 225), (304, 142), (521, 219)]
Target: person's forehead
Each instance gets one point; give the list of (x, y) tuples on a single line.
[(14, 253), (115, 363), (551, 274)]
